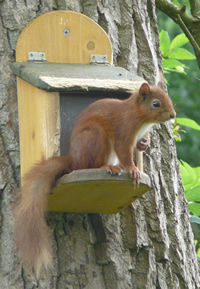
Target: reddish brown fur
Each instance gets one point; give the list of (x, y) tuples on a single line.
[(31, 230), (103, 122)]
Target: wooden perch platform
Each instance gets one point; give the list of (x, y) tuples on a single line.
[(95, 191), (77, 77)]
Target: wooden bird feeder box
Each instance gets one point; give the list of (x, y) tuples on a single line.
[(64, 63)]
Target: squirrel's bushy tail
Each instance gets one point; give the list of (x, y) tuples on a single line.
[(31, 230)]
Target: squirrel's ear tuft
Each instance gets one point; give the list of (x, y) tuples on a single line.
[(144, 91), (161, 85)]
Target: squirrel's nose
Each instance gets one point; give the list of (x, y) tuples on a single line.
[(173, 115)]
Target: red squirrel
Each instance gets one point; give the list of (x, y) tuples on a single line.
[(104, 135)]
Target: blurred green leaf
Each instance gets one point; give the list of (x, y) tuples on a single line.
[(188, 122), (175, 2), (178, 41), (164, 42), (193, 194), (172, 63), (178, 70), (181, 53), (188, 176), (194, 208), (197, 171)]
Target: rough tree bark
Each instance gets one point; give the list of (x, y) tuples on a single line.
[(148, 245)]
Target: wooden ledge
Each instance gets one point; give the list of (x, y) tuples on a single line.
[(77, 77), (95, 191)]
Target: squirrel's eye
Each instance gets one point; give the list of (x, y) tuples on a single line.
[(156, 103)]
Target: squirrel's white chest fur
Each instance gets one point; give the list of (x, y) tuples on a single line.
[(143, 130), (113, 159)]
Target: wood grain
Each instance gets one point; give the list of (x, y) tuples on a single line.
[(39, 111)]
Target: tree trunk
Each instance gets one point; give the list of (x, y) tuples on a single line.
[(148, 245)]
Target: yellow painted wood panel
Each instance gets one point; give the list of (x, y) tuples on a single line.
[(46, 34), (102, 197), (95, 191), (38, 124), (39, 110)]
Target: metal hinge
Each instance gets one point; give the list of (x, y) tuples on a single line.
[(36, 56), (98, 59)]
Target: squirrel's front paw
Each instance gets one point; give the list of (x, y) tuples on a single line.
[(135, 175), (113, 170), (143, 144)]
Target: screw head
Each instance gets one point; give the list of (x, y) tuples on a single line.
[(66, 32)]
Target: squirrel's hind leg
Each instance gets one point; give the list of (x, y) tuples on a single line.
[(90, 148)]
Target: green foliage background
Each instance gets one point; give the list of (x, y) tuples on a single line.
[(185, 93)]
